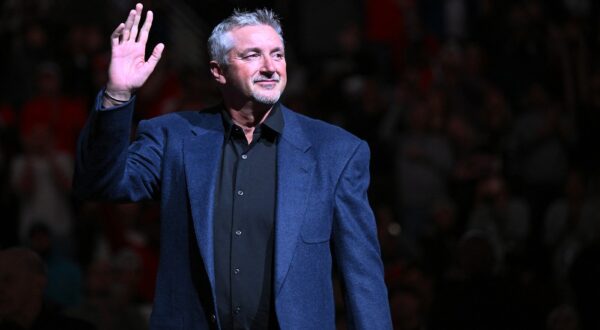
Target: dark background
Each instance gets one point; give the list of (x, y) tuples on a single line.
[(483, 119)]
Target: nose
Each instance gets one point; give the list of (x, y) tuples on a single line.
[(268, 65)]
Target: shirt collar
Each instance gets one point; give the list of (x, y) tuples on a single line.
[(274, 121)]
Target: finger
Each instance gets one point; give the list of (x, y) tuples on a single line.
[(136, 21), (128, 25), (114, 37), (155, 57), (146, 27)]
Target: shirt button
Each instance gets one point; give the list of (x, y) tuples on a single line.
[(244, 156), (240, 193), (237, 310), (238, 233), (236, 271)]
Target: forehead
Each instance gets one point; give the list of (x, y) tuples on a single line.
[(255, 36)]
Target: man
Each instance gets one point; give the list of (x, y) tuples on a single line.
[(22, 282), (256, 200)]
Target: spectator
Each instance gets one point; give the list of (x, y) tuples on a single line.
[(424, 160), (571, 224), (8, 199), (504, 218), (62, 116), (541, 136), (103, 305), (63, 277), (42, 178), (473, 296), (23, 279)]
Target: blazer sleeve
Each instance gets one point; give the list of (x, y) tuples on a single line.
[(111, 167), (357, 249)]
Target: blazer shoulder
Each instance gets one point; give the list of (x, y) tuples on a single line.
[(323, 132), (208, 118)]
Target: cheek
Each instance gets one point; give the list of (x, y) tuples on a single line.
[(282, 70), (238, 79), (247, 75), (281, 66)]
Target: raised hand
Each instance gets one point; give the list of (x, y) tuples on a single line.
[(128, 68)]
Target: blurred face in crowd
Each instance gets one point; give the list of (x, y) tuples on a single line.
[(256, 68), (49, 80), (21, 285), (39, 140)]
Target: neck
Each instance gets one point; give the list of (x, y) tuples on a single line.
[(248, 116)]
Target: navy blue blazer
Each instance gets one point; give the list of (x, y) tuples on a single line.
[(322, 213)]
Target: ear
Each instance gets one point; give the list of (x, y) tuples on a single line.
[(218, 72)]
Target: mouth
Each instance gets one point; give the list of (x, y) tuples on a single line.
[(267, 83)]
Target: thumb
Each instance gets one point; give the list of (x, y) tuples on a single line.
[(155, 56)]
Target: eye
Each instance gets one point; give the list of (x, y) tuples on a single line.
[(278, 56), (251, 56)]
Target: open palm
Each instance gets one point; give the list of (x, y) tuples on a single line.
[(128, 66)]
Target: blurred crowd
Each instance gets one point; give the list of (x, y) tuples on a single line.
[(481, 116)]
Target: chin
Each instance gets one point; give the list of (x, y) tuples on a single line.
[(266, 99)]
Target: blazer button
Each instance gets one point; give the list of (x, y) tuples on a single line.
[(213, 317)]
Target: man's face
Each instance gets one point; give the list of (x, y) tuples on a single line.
[(256, 70)]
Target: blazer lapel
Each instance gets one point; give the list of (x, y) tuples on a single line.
[(295, 167), (202, 153)]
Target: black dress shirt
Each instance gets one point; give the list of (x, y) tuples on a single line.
[(245, 223)]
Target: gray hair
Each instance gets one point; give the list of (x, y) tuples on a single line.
[(220, 43)]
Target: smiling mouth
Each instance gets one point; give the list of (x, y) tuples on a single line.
[(267, 84)]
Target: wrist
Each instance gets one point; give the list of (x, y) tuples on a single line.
[(117, 95), (112, 98)]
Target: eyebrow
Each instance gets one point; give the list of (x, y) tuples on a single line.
[(258, 50)]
